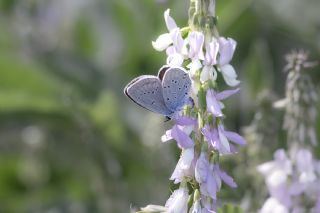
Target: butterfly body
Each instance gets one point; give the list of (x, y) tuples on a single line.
[(165, 94)]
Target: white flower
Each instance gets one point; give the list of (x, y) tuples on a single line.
[(178, 201), (184, 166), (229, 75), (172, 42), (272, 205), (226, 51)]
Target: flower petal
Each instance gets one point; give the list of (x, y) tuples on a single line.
[(175, 60), (226, 50), (235, 137), (229, 75), (208, 73), (211, 53), (223, 139), (213, 105), (162, 42), (185, 121), (202, 168), (177, 40), (196, 41), (178, 201), (227, 179), (226, 94), (183, 140), (171, 24)]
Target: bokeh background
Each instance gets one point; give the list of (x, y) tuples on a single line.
[(70, 141)]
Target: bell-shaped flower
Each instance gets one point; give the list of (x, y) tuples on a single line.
[(184, 167), (213, 99), (180, 132), (178, 201)]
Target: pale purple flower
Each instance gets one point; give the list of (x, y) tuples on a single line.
[(272, 205), (180, 132), (212, 184), (218, 139), (226, 50), (212, 49), (213, 99), (276, 174), (184, 167), (305, 167), (178, 201), (202, 168), (196, 41)]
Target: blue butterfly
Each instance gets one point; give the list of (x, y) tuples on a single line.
[(165, 94)]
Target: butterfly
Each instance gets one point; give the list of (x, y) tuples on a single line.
[(165, 94)]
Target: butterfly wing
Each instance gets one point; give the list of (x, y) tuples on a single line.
[(146, 91), (176, 85)]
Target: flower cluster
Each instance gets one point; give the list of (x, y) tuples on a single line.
[(199, 130), (191, 48), (293, 183)]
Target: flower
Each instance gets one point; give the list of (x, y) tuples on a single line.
[(172, 42), (180, 132), (196, 40), (226, 51), (305, 166), (218, 139), (213, 99), (212, 184), (178, 201), (272, 205), (184, 167)]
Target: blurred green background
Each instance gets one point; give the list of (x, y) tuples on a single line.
[(70, 141)]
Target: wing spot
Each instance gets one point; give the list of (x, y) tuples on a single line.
[(152, 102), (152, 92), (186, 93), (168, 99), (175, 82), (179, 88)]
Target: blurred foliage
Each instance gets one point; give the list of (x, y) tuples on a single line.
[(71, 141)]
